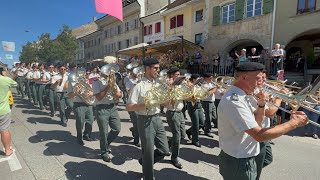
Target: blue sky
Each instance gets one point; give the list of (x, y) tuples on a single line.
[(40, 16)]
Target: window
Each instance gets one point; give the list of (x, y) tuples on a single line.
[(157, 27), (119, 45), (126, 25), (135, 40), (228, 13), (150, 42), (306, 6), (254, 8), (106, 34), (198, 38), (147, 30), (99, 41), (127, 43), (136, 23), (176, 21), (199, 15), (156, 41), (119, 29)]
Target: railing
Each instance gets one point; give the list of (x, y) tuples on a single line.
[(226, 68)]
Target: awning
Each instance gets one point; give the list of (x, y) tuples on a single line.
[(173, 43)]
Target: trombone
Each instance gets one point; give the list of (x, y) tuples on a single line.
[(295, 101)]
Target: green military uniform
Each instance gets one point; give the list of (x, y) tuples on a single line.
[(52, 96), (197, 118), (238, 149), (84, 115), (28, 84), (209, 107), (40, 86), (35, 86), (107, 115), (151, 130), (65, 104), (21, 80)]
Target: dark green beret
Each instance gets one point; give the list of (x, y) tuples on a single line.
[(150, 61), (173, 70)]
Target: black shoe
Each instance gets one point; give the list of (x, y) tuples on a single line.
[(80, 142), (109, 150), (131, 129), (87, 138), (137, 144), (177, 164), (106, 157), (64, 124), (189, 135), (140, 161), (196, 144), (52, 114), (209, 134)]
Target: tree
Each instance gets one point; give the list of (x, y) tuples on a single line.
[(68, 44), (29, 53)]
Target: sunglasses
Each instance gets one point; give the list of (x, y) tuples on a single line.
[(155, 68)]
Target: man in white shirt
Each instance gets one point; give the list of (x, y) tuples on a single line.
[(277, 62), (239, 129)]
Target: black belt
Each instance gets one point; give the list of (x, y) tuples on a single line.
[(105, 105), (151, 115), (174, 111), (80, 104), (208, 101), (61, 92)]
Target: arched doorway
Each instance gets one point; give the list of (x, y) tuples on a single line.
[(304, 47)]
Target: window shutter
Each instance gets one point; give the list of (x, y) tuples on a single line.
[(239, 10), (180, 20), (216, 15), (172, 22), (150, 29), (145, 30), (267, 6)]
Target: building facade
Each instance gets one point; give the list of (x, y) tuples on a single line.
[(238, 24)]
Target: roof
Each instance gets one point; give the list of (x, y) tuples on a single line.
[(84, 30), (160, 47), (176, 3)]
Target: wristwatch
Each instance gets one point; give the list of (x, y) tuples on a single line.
[(262, 106)]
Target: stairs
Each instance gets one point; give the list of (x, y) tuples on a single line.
[(297, 77)]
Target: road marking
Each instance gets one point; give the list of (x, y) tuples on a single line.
[(13, 161)]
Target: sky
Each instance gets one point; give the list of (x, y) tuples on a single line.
[(25, 20)]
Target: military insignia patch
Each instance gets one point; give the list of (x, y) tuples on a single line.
[(235, 97)]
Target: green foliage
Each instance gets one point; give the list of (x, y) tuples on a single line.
[(48, 50)]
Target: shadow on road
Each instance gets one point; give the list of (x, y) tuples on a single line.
[(42, 120), (194, 155)]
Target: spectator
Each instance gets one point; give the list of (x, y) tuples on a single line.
[(254, 55), (277, 63), (242, 57), (5, 112)]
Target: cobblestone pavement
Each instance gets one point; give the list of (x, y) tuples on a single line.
[(46, 150)]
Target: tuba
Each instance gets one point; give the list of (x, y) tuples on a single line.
[(83, 87), (110, 70)]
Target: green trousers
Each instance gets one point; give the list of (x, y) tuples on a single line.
[(107, 115), (84, 115), (177, 125), (21, 85), (52, 101), (232, 168), (65, 106), (152, 133), (264, 158), (216, 103), (33, 91), (35, 88), (28, 89), (41, 92), (210, 114), (197, 119), (134, 118)]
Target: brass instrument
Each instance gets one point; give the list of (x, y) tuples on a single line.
[(225, 82), (295, 101), (81, 88), (183, 91), (110, 70), (160, 91), (132, 65), (200, 92), (139, 71)]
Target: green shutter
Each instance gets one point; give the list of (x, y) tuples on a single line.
[(216, 15), (239, 9), (267, 6)]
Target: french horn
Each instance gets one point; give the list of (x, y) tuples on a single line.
[(81, 88)]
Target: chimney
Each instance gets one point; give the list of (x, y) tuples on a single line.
[(94, 18)]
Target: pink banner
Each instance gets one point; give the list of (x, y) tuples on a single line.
[(110, 7)]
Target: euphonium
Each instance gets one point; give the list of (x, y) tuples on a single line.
[(110, 70), (81, 88)]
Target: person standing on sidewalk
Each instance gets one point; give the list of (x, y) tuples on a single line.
[(5, 113), (150, 125)]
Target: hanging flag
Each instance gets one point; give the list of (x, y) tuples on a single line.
[(9, 56), (8, 46), (110, 7)]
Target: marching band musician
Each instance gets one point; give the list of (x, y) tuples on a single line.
[(35, 78), (208, 104), (21, 73), (196, 114), (176, 122), (94, 73), (132, 81), (150, 126), (41, 83), (59, 83), (218, 95), (51, 92), (239, 129), (29, 83), (107, 113), (83, 112)]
